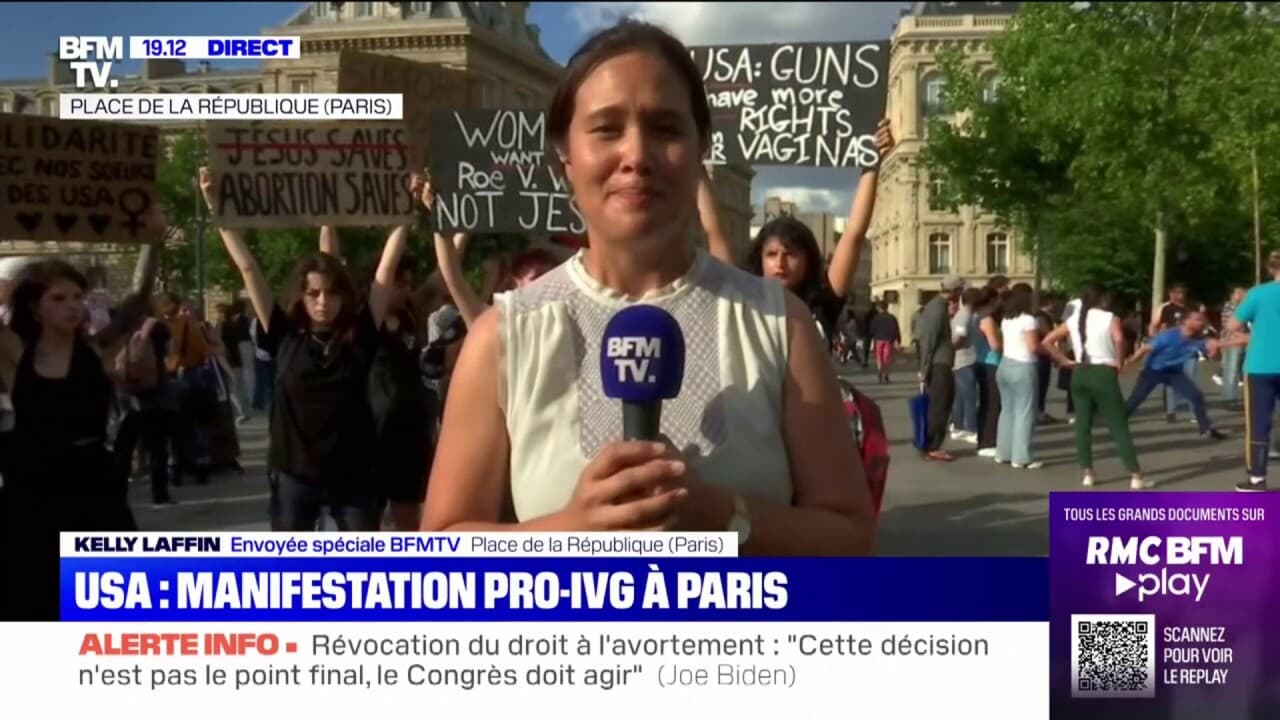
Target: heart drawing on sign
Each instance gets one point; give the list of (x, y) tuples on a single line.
[(64, 221), (29, 221), (99, 223)]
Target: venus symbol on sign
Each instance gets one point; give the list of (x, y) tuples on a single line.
[(143, 203)]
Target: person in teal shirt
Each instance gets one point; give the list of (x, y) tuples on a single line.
[(1259, 316)]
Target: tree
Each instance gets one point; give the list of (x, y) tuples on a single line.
[(1242, 87), (1125, 81), (989, 156)]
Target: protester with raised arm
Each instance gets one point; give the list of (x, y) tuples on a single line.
[(322, 430), (786, 248)]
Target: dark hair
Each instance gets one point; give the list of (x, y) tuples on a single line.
[(407, 264), (1017, 302), (998, 282), (627, 36), (1092, 296), (988, 297), (796, 236), (1177, 286), (970, 297), (32, 283), (331, 267), (532, 257)]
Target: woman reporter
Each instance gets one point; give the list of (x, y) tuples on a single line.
[(322, 430), (759, 441)]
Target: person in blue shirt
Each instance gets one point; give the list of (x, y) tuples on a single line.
[(1167, 354), (1259, 317)]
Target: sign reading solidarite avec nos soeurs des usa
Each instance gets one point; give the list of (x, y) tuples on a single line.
[(77, 181)]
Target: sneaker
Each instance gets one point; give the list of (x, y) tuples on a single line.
[(1036, 465), (1001, 462), (1214, 434), (957, 434), (987, 453), (1217, 380), (970, 437), (1071, 420), (1140, 483), (1088, 481), (1252, 485)]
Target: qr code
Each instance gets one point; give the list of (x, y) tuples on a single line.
[(1113, 656)]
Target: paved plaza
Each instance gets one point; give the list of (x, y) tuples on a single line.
[(968, 507)]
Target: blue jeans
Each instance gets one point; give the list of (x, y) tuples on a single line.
[(296, 503), (1018, 383), (1232, 363), (1263, 394), (264, 383), (1174, 400), (1174, 380), (964, 414)]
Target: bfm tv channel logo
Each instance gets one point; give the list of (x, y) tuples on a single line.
[(633, 356), (1167, 551)]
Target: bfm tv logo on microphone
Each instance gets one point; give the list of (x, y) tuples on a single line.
[(633, 357), (1177, 551)]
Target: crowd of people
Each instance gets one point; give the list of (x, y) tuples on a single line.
[(986, 358), (380, 415)]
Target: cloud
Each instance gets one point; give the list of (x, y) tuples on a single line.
[(807, 199), (704, 23)]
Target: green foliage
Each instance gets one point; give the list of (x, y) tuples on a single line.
[(1113, 119)]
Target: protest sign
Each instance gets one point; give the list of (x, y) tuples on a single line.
[(65, 181), (492, 173), (424, 87), (312, 174), (805, 104)]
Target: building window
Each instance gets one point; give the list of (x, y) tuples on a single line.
[(4, 105), (420, 8), (997, 254), (939, 254), (300, 85), (990, 88), (933, 95), (49, 106), (938, 194), (321, 9), (363, 9)]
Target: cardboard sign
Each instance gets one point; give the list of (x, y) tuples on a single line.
[(78, 181), (491, 173), (804, 104), (424, 87), (308, 175)]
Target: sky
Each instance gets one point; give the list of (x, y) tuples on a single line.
[(29, 32)]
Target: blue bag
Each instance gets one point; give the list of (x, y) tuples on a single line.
[(919, 411)]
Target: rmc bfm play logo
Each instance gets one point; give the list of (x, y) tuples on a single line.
[(1177, 551)]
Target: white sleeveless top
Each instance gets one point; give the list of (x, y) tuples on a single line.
[(1097, 337), (726, 421)]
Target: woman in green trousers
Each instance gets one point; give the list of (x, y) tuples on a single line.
[(1097, 339)]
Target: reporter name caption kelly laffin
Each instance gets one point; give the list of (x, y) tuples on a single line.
[(137, 671), (498, 544)]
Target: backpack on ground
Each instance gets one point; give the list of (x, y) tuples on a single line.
[(873, 443)]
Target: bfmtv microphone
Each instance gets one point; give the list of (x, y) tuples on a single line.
[(642, 364)]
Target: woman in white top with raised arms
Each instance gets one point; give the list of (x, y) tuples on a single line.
[(759, 440), (1097, 338), (1017, 378)]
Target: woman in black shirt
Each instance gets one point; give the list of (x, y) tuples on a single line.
[(786, 249), (322, 428), (59, 476)]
